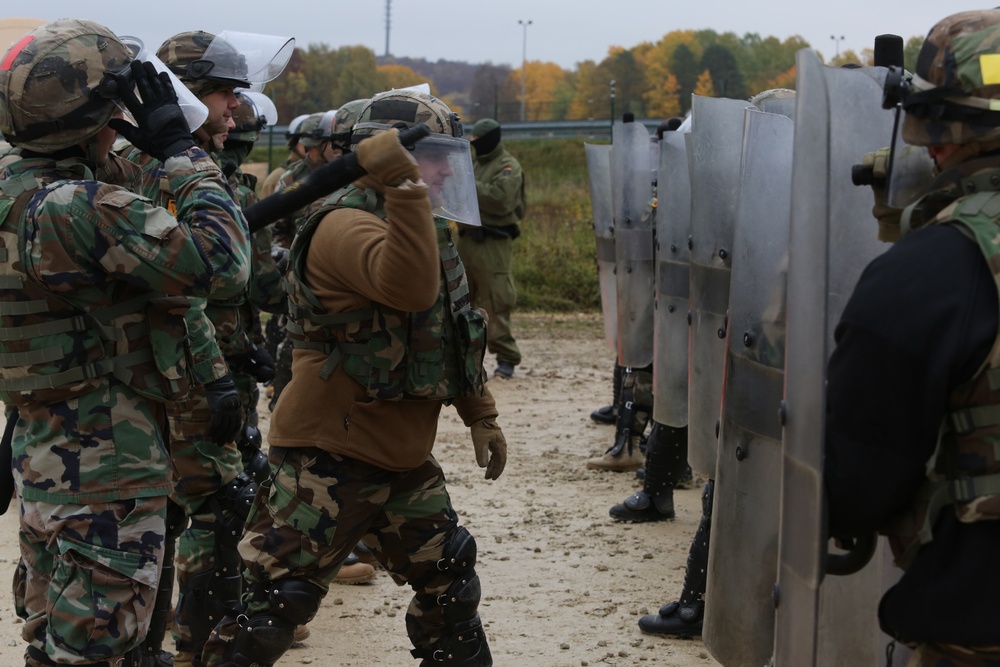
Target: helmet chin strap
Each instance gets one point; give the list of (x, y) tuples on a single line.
[(966, 152)]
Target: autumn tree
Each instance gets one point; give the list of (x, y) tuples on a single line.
[(727, 80), (399, 76), (685, 68), (622, 66), (704, 86), (591, 95)]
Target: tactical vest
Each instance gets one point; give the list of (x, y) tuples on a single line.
[(55, 350), (433, 354), (964, 470)]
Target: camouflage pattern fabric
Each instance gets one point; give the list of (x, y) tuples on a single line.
[(395, 354), (125, 454), (959, 54), (86, 581), (946, 655), (318, 506), (184, 49), (965, 470)]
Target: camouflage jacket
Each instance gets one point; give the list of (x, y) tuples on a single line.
[(95, 280)]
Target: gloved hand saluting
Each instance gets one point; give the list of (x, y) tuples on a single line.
[(490, 446), (162, 131), (386, 160), (227, 411)]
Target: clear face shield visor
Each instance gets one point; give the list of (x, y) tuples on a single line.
[(263, 106), (446, 167), (244, 57), (195, 113)]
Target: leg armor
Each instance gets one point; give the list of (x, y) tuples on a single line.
[(463, 641), (214, 592), (683, 617), (633, 414), (152, 647), (264, 638)]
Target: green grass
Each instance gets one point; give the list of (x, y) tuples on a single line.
[(554, 262)]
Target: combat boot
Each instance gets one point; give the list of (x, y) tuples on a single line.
[(605, 415), (353, 571), (624, 454), (666, 454), (675, 620)]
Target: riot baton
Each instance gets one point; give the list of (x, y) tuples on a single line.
[(7, 461), (327, 179)]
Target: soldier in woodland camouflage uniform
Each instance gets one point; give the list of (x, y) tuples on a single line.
[(913, 409), (94, 332), (326, 136), (212, 489), (385, 336)]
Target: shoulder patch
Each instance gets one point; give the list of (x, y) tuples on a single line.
[(506, 171)]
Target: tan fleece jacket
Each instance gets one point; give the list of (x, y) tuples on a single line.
[(356, 258)]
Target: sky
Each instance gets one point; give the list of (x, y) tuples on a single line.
[(473, 31)]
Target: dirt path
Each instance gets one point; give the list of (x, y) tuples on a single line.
[(563, 584)]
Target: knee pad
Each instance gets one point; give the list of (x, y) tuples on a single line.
[(294, 600), (261, 641), (459, 553)]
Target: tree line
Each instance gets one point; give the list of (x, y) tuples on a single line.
[(652, 80)]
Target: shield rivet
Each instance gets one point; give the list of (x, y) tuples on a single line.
[(723, 253), (670, 309), (747, 339), (741, 452), (673, 247), (690, 242), (722, 333)]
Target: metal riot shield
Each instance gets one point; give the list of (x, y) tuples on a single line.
[(631, 196), (714, 159), (673, 268), (599, 173), (827, 621), (743, 552)]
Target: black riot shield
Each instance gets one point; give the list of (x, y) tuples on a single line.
[(743, 552), (599, 174), (673, 260), (828, 621), (631, 196), (714, 160)]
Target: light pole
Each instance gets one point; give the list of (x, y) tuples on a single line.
[(837, 41), (524, 64)]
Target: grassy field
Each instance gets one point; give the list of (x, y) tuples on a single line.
[(554, 260)]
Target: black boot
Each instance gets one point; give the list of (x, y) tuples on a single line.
[(684, 618), (624, 454), (666, 461), (609, 413)]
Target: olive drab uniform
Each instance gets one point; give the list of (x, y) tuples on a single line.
[(487, 251)]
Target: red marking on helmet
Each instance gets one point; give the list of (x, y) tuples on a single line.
[(8, 60)]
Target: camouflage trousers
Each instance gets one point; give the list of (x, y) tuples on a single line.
[(86, 582), (491, 287), (201, 468), (318, 506), (947, 655)]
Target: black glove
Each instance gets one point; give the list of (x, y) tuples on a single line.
[(162, 130), (227, 411), (260, 364)]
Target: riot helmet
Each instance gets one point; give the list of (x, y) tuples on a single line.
[(58, 84), (953, 94), (206, 62), (316, 128), (347, 115), (444, 157), (256, 111)]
